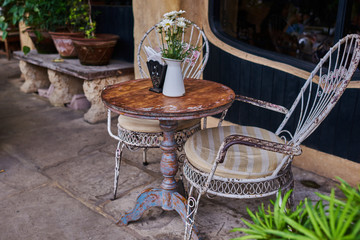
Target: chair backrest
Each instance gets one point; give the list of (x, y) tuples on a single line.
[(193, 36), (315, 101)]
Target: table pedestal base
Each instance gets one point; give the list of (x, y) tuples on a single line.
[(154, 197), (166, 197)]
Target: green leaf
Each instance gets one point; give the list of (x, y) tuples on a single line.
[(13, 9), (22, 11), (322, 219), (356, 231), (332, 211), (248, 237), (345, 224), (6, 2), (328, 198), (300, 228), (309, 208), (26, 50), (4, 35), (286, 235), (277, 210)]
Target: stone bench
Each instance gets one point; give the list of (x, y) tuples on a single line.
[(69, 77)]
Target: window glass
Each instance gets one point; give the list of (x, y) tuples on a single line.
[(353, 18), (303, 29)]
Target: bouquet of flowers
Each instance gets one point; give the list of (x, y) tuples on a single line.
[(172, 47), (171, 29)]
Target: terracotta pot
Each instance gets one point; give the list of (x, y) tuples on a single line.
[(44, 45), (95, 51), (64, 43)]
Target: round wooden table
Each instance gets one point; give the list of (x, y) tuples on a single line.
[(202, 98)]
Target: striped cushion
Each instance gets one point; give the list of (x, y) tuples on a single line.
[(241, 161), (150, 126)]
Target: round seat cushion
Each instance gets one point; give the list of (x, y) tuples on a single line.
[(241, 161), (151, 126)]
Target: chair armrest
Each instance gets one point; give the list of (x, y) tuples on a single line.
[(263, 104), (257, 143)]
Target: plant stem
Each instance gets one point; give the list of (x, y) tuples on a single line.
[(90, 19)]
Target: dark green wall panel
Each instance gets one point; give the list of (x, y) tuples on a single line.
[(117, 20)]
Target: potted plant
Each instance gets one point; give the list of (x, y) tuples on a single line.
[(44, 17), (7, 19), (92, 49), (174, 51), (77, 18), (40, 16)]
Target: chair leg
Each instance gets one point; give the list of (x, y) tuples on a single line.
[(191, 211), (118, 155), (145, 162)]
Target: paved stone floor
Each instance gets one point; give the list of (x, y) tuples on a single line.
[(57, 178)]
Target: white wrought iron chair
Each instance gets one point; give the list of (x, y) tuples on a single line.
[(250, 162), (144, 134)]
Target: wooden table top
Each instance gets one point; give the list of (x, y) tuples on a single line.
[(202, 98)]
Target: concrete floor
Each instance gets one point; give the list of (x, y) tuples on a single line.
[(58, 176)]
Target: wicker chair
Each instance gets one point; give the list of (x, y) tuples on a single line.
[(250, 162), (143, 134)]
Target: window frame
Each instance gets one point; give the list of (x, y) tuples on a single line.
[(215, 26)]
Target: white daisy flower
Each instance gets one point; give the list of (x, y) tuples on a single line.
[(181, 19), (166, 24), (170, 15), (181, 12), (181, 24)]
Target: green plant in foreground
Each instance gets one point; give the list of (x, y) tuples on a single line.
[(329, 218)]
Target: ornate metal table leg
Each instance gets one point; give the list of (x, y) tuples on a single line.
[(166, 197)]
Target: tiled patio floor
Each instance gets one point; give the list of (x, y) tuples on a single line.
[(58, 175)]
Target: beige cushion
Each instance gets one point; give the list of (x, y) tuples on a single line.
[(241, 161), (150, 126)]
